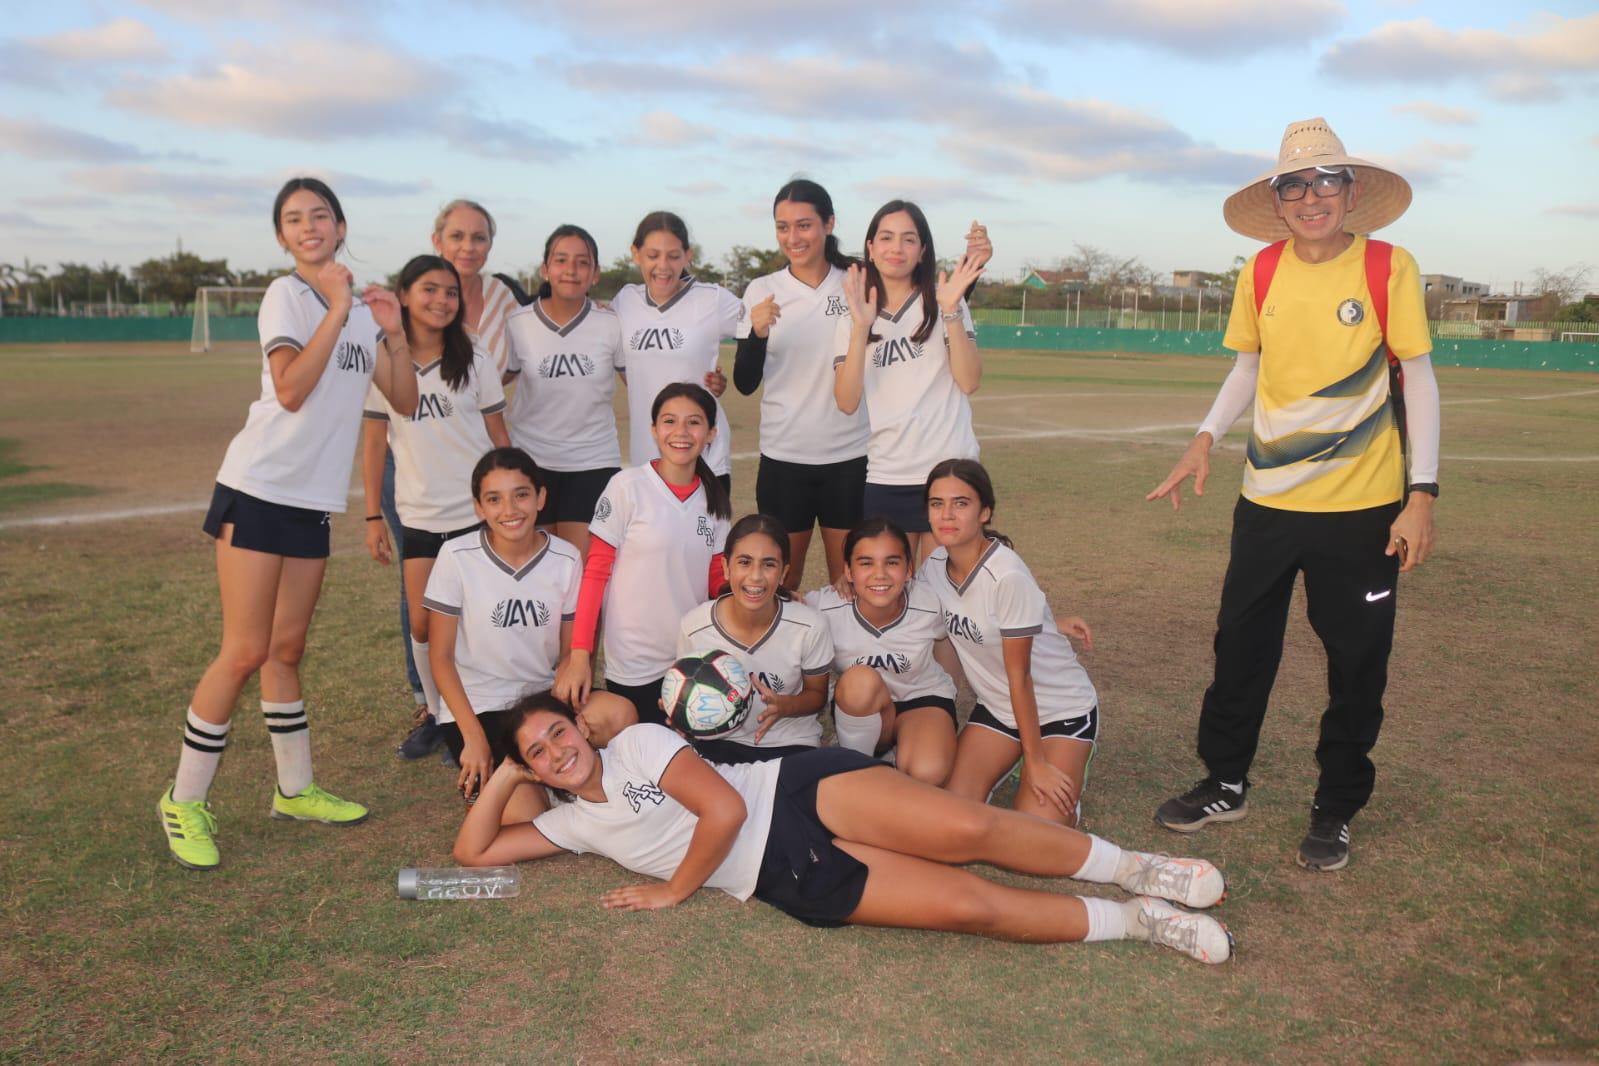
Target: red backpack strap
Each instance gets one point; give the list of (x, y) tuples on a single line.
[(1265, 269), (1379, 265)]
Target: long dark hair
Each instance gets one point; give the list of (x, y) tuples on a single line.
[(764, 525), (878, 526), (716, 500), (973, 473), (806, 191), (455, 365), (924, 277), (314, 185), (519, 712), (512, 458), (566, 230)]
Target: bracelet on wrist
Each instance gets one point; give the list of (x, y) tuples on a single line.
[(950, 316), (1428, 487), (374, 518)]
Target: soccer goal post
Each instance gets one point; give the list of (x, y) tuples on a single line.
[(216, 302)]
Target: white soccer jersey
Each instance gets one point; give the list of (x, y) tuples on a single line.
[(663, 563), (563, 416), (800, 419), (675, 341), (796, 646), (302, 458), (1000, 599), (901, 651), (508, 620), (918, 415), (436, 448), (645, 830)]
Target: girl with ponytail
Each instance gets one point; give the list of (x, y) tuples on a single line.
[(565, 348), (653, 557)]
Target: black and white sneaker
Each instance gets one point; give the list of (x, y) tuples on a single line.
[(1208, 801), (1326, 845), (423, 740)]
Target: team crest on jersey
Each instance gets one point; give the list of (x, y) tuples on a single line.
[(432, 406), (566, 366), (965, 628), (510, 613), (352, 356), (835, 307), (1351, 312), (896, 350), (602, 510), (657, 337), (899, 664), (705, 530), (638, 795), (771, 681)]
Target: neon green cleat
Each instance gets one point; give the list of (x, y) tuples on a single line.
[(191, 830), (315, 805)]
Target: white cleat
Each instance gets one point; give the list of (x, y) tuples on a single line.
[(1191, 882), (1199, 936)]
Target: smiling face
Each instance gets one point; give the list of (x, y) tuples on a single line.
[(308, 229), (896, 247), (955, 512), (464, 240), (755, 569), (1316, 219), (433, 300), (878, 570), (508, 503), (556, 751), (681, 431), (662, 260), (801, 233), (570, 268)]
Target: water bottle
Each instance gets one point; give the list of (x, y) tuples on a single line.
[(487, 882)]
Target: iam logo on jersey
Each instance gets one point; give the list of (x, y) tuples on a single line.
[(513, 612), (602, 510), (657, 337), (566, 366), (835, 307), (638, 795), (896, 350), (771, 681), (430, 405), (705, 530), (900, 664), (1351, 312), (963, 627), (352, 356)]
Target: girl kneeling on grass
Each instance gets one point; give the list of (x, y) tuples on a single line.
[(1035, 701), (828, 836), (500, 603)]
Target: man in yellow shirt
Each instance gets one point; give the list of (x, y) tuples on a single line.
[(1340, 476)]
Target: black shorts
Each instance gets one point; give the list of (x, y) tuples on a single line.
[(423, 544), (801, 495), (905, 504), (732, 753), (493, 723), (943, 703), (273, 528), (1083, 728), (570, 495), (803, 873), (646, 699)]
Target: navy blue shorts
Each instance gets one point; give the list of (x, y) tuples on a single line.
[(273, 528), (801, 495), (943, 703), (1083, 728), (423, 544), (905, 504), (646, 699), (803, 873), (570, 495), (732, 753)]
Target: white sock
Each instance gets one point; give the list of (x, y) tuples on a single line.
[(857, 732), (1107, 919), (197, 760), (424, 670), (1103, 860), (291, 744)]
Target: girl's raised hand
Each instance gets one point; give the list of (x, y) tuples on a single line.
[(337, 284), (385, 308), (763, 315), (861, 300), (952, 286), (979, 249)]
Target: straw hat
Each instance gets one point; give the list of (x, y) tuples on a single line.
[(1383, 195)]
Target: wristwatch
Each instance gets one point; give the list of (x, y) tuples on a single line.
[(1429, 487)]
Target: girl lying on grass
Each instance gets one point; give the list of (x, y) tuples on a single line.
[(828, 836)]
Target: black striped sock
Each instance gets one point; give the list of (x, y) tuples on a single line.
[(203, 743)]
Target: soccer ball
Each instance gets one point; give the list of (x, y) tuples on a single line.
[(706, 696)]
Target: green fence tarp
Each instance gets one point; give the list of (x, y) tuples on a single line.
[(46, 330)]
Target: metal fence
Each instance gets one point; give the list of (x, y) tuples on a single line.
[(1190, 321)]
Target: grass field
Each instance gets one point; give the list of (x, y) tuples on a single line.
[(1465, 929)]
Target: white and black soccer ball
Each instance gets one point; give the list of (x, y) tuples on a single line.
[(706, 696)]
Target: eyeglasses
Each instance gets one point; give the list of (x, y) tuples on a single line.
[(1290, 189)]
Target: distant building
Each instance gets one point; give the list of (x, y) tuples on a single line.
[(1191, 279), (1056, 279), (1501, 308), (1451, 288)]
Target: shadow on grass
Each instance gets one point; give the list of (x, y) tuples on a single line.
[(14, 495)]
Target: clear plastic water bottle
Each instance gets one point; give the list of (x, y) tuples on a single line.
[(449, 882)]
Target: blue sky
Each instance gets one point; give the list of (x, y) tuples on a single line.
[(125, 127)]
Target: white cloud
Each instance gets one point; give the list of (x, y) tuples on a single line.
[(45, 140), (60, 59), (1196, 28), (1426, 162), (1525, 64), (927, 190), (17, 220), (226, 194), (698, 188), (775, 24), (1574, 210), (1439, 114), (667, 129)]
